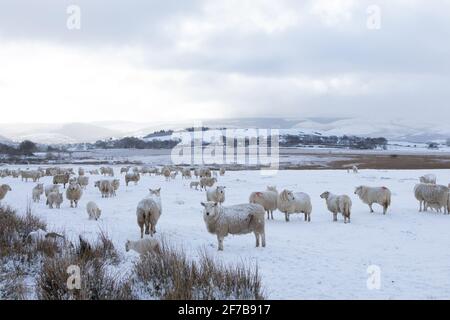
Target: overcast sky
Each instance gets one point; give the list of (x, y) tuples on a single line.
[(176, 60)]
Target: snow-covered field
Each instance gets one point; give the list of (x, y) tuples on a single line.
[(317, 260)]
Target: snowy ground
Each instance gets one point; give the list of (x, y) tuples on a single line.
[(317, 260)]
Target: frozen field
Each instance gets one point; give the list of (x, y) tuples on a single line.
[(317, 260)]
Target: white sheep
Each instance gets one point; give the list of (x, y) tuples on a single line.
[(148, 212), (355, 169), (4, 188), (37, 192), (107, 171), (41, 235), (194, 184), (238, 219), (338, 204), (289, 203), (186, 173), (432, 195), (83, 181), (73, 194), (268, 199), (135, 177), (142, 246), (124, 170), (222, 171), (428, 178), (173, 175), (216, 194), (115, 185), (93, 210), (166, 173), (51, 188), (371, 195), (61, 179), (204, 172), (55, 198), (105, 188), (207, 182), (81, 172)]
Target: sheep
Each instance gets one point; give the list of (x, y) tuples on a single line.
[(428, 178), (237, 219), (431, 195), (4, 188), (83, 181), (105, 188), (371, 195), (115, 184), (338, 204), (41, 235), (207, 182), (355, 169), (173, 175), (186, 174), (94, 172), (30, 174), (222, 171), (124, 170), (107, 171), (289, 203), (142, 246), (55, 198), (196, 172), (216, 194), (148, 212), (268, 199), (166, 173), (135, 177), (93, 210), (51, 188), (38, 190), (73, 194), (61, 179), (194, 184), (204, 173), (81, 172)]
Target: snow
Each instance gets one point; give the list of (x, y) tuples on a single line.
[(317, 260)]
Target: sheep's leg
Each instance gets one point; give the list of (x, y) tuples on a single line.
[(385, 207), (371, 210), (286, 216), (263, 239), (334, 216), (271, 214), (220, 240), (257, 239)]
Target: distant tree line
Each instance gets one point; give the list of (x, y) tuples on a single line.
[(352, 142), (25, 148), (135, 143)]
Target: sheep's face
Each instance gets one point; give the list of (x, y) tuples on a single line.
[(271, 188), (6, 187), (209, 209), (358, 190), (220, 190), (325, 195), (289, 195), (156, 192), (73, 187)]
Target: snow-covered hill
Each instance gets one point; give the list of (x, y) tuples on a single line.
[(393, 129)]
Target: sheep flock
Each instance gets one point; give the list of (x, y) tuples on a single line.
[(221, 217)]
